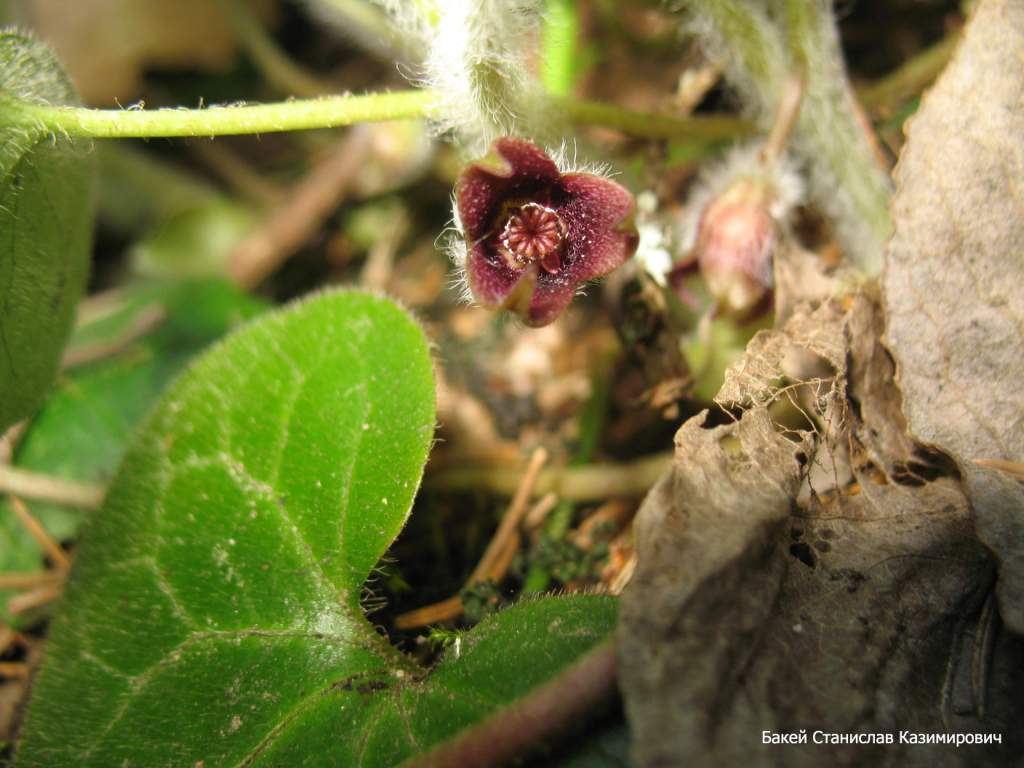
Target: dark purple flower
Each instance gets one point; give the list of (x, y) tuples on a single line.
[(533, 233)]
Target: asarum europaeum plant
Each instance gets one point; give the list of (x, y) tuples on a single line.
[(530, 234)]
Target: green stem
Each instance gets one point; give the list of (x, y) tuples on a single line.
[(648, 125), (910, 78), (764, 52), (559, 47), (844, 173), (328, 112), (592, 482), (756, 61)]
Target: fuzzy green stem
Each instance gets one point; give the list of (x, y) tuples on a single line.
[(327, 112), (756, 57), (800, 40)]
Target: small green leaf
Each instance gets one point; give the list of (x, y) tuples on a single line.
[(82, 430), (180, 225), (194, 242), (213, 609), (46, 215)]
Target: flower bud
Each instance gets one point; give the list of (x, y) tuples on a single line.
[(736, 239)]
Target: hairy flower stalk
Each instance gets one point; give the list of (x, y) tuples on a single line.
[(479, 63), (764, 44), (529, 234), (477, 58)]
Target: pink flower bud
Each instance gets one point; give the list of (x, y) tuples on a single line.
[(736, 240)]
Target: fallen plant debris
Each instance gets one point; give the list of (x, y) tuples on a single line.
[(955, 314), (511, 382), (826, 579), (830, 584)]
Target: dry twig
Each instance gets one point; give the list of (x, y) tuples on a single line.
[(32, 485), (496, 558), (301, 213), (46, 586), (146, 321), (53, 550)]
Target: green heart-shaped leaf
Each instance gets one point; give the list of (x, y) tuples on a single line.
[(213, 611), (83, 428)]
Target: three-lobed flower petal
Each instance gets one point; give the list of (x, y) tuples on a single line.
[(533, 233)]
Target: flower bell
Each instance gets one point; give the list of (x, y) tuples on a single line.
[(531, 234)]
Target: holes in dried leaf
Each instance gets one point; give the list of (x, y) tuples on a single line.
[(927, 466), (938, 461), (802, 551)]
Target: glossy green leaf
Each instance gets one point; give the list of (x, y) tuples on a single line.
[(46, 213), (213, 610), (83, 428)]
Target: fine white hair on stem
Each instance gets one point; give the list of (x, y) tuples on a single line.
[(453, 242), (476, 55), (567, 157), (478, 64), (764, 44)]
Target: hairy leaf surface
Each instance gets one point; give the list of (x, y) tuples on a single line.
[(213, 613), (46, 212), (84, 427)]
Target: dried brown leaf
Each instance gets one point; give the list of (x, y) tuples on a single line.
[(954, 280), (857, 607)]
